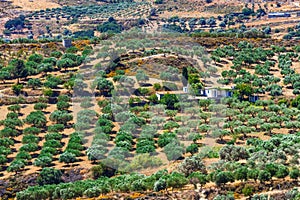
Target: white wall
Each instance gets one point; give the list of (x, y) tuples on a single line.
[(214, 93)]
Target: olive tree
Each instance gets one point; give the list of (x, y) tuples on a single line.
[(233, 153), (192, 164), (61, 117), (36, 118), (197, 178), (16, 165), (34, 83), (49, 176)]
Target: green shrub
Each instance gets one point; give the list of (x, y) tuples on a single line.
[(49, 176)]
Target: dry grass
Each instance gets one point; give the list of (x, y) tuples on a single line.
[(31, 5), (188, 14)]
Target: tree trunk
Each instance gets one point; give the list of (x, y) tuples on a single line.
[(195, 186), (167, 191)]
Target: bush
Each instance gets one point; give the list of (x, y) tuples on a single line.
[(170, 125), (264, 175), (118, 153), (93, 192), (67, 157), (5, 151), (61, 117), (6, 142), (16, 165), (102, 170), (224, 197), (176, 180), (37, 118), (173, 150), (223, 177), (86, 104), (12, 115), (49, 150), (30, 138), (82, 126), (43, 160), (49, 176), (52, 82), (159, 185), (14, 108), (96, 152), (17, 88), (65, 98), (52, 143), (143, 161), (124, 136), (12, 123), (31, 130), (110, 26), (145, 143), (157, 86), (190, 165), (30, 147), (9, 132), (193, 148), (48, 92), (77, 137), (53, 136), (37, 58), (62, 105), (169, 100), (197, 178), (166, 138), (294, 173), (56, 54), (3, 159), (97, 171), (34, 83), (40, 106), (56, 128), (76, 152), (248, 190), (233, 153), (124, 144)]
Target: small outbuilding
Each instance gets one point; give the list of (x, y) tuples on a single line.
[(67, 42), (30, 36), (253, 98), (278, 14), (216, 93)]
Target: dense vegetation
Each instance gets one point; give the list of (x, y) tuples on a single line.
[(266, 162)]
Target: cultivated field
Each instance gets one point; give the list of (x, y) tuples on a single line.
[(149, 100)]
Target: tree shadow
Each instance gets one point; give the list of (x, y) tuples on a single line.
[(221, 141), (34, 155)]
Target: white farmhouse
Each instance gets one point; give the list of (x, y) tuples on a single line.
[(216, 93)]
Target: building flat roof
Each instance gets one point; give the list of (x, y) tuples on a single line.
[(279, 13), (171, 92), (220, 88)]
